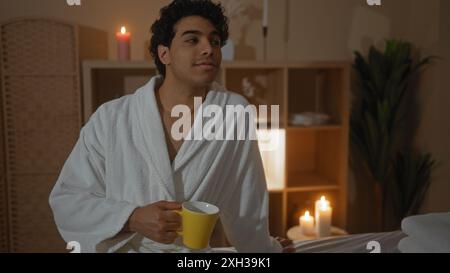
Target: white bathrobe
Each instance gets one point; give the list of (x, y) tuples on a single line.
[(121, 162)]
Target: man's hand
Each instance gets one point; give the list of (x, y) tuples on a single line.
[(157, 221), (287, 245)]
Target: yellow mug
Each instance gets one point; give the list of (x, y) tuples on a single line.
[(198, 221)]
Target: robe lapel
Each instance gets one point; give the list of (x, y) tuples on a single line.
[(190, 147), (154, 139), (154, 142)]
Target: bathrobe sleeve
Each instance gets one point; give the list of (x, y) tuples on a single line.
[(81, 209), (245, 214)]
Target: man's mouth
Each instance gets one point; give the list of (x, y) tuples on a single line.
[(206, 65)]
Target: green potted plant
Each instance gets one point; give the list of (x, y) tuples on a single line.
[(411, 179), (383, 85)]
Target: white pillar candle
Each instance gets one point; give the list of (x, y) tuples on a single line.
[(323, 220), (307, 224), (321, 202)]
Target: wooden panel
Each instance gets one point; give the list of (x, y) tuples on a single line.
[(4, 246), (313, 157), (310, 179), (333, 94), (301, 151), (32, 225), (329, 159), (301, 84), (275, 213), (108, 84), (316, 90)]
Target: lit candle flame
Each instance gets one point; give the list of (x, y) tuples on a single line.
[(307, 216), (323, 203), (123, 30)]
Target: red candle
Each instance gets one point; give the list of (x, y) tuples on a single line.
[(123, 44)]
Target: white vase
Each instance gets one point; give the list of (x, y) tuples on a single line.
[(228, 51)]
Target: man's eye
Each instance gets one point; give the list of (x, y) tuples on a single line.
[(215, 43), (192, 40)]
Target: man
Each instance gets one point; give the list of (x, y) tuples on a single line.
[(126, 176)]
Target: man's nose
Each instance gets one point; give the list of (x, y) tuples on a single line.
[(207, 48)]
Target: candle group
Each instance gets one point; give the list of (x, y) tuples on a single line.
[(322, 217), (123, 44)]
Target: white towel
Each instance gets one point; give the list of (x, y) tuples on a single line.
[(356, 243), (412, 245), (428, 232)]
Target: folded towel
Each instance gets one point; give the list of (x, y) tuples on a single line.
[(430, 231), (413, 245), (356, 243)]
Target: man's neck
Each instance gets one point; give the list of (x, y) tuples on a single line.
[(172, 93)]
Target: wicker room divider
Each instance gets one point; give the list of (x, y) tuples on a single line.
[(41, 116), (3, 204)]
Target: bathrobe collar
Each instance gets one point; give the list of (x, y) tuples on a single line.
[(151, 125)]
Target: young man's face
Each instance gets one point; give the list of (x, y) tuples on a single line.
[(194, 56)]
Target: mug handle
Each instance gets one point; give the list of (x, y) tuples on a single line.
[(180, 212)]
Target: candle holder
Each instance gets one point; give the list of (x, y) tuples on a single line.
[(295, 233)]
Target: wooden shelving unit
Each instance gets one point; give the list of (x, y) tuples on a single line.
[(310, 162)]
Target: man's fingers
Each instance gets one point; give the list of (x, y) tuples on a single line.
[(171, 216), (287, 242), (170, 236), (172, 227), (284, 242), (169, 205), (289, 250)]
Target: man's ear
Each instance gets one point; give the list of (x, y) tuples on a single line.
[(163, 54)]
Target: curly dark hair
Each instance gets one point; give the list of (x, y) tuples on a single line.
[(163, 28)]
